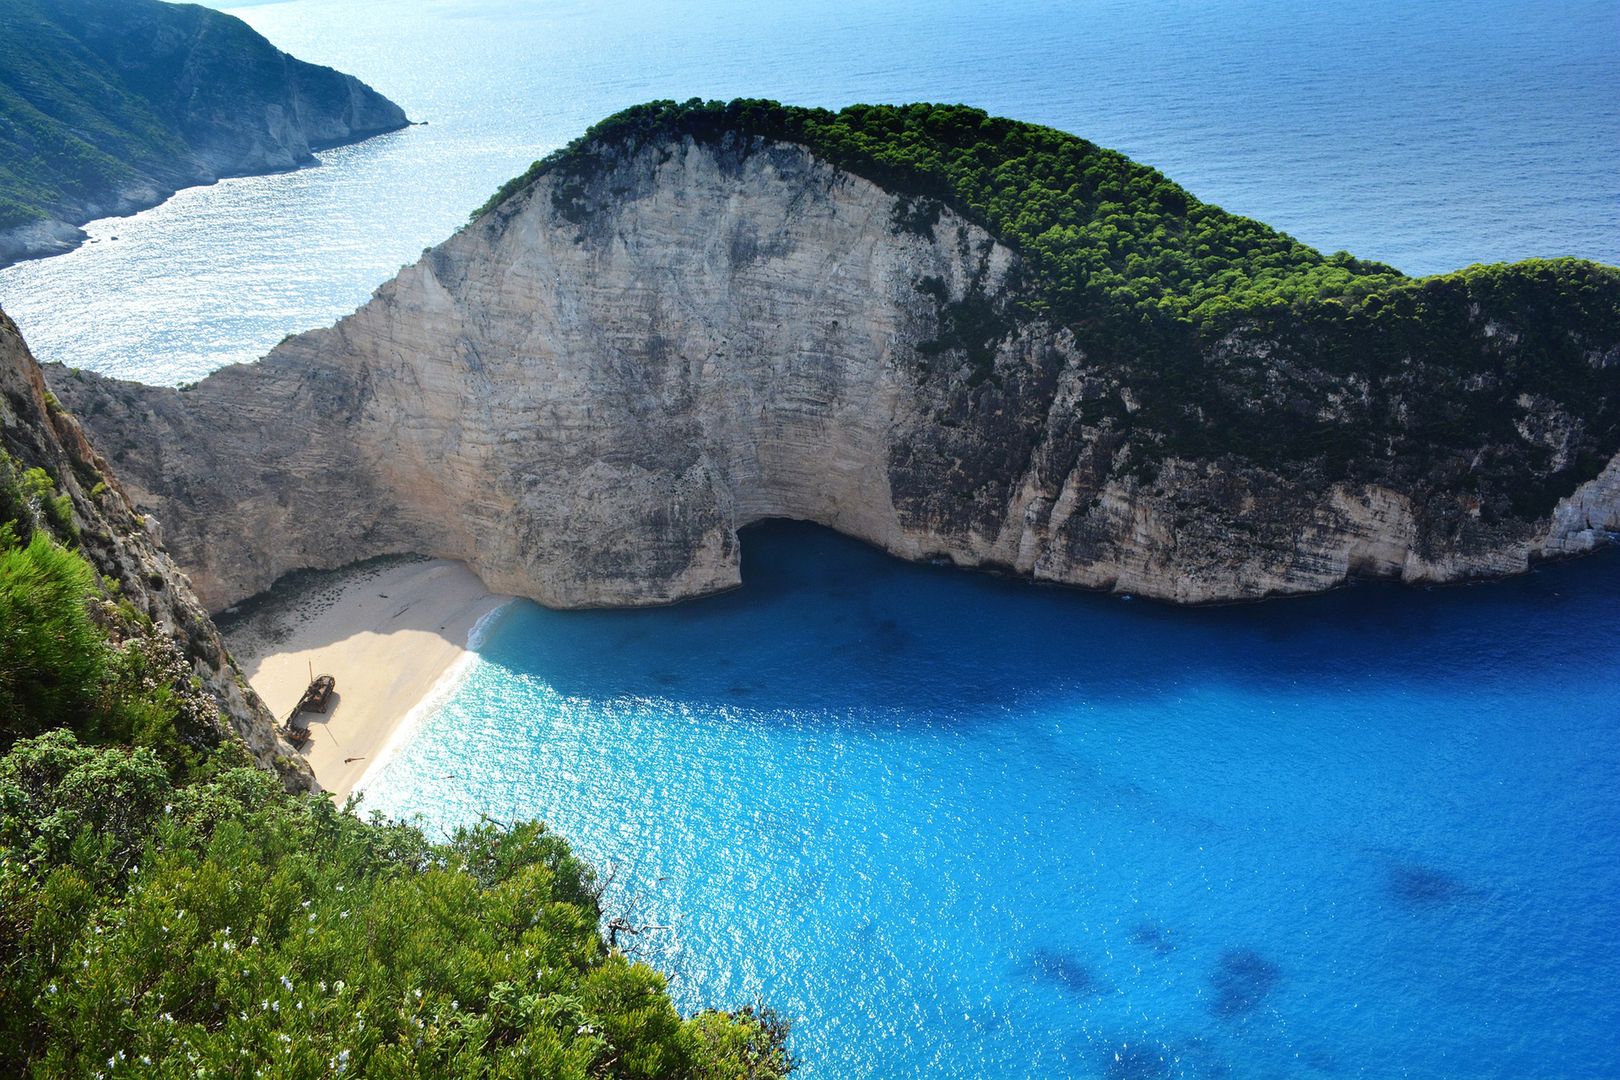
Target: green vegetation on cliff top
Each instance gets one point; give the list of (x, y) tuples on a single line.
[(1097, 230), (1236, 338), (1102, 236), (69, 130)]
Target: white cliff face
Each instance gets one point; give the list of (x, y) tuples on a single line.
[(1587, 519), (586, 400)]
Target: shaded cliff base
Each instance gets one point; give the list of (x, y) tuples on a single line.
[(393, 632), (399, 634)]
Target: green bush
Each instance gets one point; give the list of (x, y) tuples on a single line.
[(58, 667), (167, 910), (223, 926), (52, 657), (29, 500)]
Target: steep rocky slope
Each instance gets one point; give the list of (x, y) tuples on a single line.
[(110, 106), (694, 319), (36, 433)]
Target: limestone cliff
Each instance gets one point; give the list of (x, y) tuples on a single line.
[(589, 390), (110, 106), (125, 551)]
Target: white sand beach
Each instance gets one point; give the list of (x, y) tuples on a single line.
[(387, 631)]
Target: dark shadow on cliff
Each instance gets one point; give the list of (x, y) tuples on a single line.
[(824, 622)]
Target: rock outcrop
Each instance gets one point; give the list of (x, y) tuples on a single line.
[(122, 547), (589, 390), (110, 106)]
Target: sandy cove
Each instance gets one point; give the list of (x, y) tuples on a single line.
[(387, 631)]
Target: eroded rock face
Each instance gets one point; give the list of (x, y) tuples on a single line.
[(124, 550), (585, 394)]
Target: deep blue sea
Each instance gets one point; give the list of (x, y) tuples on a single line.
[(966, 827), (955, 826)]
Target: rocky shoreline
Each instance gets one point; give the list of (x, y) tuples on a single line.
[(45, 239)]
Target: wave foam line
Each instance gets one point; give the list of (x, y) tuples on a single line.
[(437, 697)]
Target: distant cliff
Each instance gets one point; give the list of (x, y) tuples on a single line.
[(953, 336), (110, 106), (168, 675)]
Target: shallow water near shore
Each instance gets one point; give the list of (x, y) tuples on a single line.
[(962, 826)]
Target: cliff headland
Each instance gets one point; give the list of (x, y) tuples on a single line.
[(954, 336), (110, 106)]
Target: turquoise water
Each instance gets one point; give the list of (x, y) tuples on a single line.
[(960, 826), (1429, 135)]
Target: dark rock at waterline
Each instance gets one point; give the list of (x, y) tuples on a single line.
[(1065, 970), (1154, 937), (1139, 1061)]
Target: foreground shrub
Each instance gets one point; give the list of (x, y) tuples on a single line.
[(52, 658), (223, 927)]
